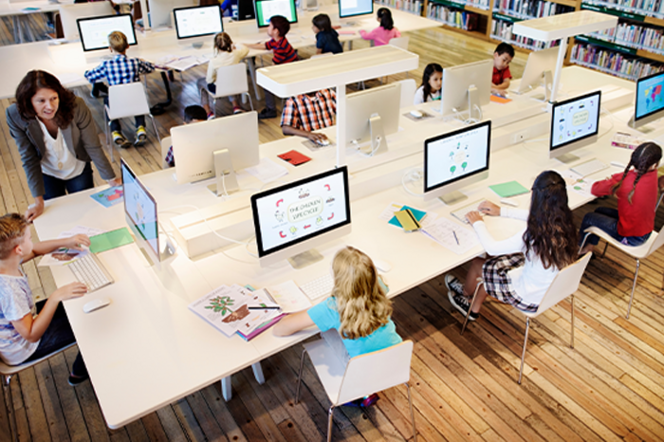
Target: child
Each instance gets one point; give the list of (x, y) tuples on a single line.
[(225, 54), (192, 114), (383, 33), (24, 337), (327, 39), (432, 83), (523, 266), (282, 51), (308, 112), (121, 70), (636, 190), (502, 57)]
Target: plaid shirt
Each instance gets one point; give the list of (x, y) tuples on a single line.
[(310, 113), (170, 159), (119, 70)]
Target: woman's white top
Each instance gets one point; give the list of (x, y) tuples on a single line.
[(59, 161), (223, 58), (530, 281), (419, 96)]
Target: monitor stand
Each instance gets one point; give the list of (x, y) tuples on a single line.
[(567, 158), (643, 128), (305, 259), (453, 198), (378, 140), (226, 181)]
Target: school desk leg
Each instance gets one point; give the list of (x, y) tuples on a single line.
[(258, 372), (226, 388), (251, 62)]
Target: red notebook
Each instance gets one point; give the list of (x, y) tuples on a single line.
[(294, 157)]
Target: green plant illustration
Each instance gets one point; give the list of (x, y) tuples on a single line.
[(220, 304)]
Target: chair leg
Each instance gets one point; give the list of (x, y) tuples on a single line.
[(330, 415), (227, 388), (631, 297), (571, 342), (299, 378), (251, 102), (412, 415), (156, 131), (605, 247), (472, 301), (523, 353), (13, 428), (109, 141)]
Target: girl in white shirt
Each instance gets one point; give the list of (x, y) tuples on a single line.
[(521, 268), (225, 54), (432, 83)]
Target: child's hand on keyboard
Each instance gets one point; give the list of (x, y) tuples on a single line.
[(70, 291), (473, 217), (77, 242), (489, 208)]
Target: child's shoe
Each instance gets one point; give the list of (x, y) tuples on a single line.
[(462, 304), (120, 140), (75, 380), (210, 116), (238, 110), (267, 113), (141, 136), (363, 402)]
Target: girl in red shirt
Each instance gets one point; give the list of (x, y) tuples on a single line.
[(636, 190)]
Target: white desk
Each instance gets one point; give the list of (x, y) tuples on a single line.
[(21, 12)]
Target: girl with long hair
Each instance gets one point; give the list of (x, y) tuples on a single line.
[(383, 33), (521, 268), (327, 39), (432, 84), (636, 190)]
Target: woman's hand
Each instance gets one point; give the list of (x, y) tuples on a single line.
[(34, 210), (489, 208), (77, 242), (473, 217)]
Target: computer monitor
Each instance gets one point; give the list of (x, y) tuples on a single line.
[(216, 148), (467, 87), (292, 219), (161, 11), (541, 65), (69, 14), (265, 9), (574, 124), (454, 160), (196, 24), (245, 10), (371, 115), (649, 104), (94, 31), (353, 8)]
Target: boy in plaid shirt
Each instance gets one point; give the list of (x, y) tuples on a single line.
[(282, 52), (308, 112), (121, 70)]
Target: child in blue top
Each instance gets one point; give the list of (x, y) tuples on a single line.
[(327, 39)]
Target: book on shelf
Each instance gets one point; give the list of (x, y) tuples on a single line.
[(502, 30), (634, 36), (523, 9), (646, 7), (613, 62), (413, 6), (452, 17)]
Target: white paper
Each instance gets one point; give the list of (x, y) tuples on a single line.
[(77, 230), (387, 214), (183, 63), (257, 318), (444, 231), (61, 256), (289, 296), (267, 170)]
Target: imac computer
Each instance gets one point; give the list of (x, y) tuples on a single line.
[(94, 30), (292, 219), (467, 87), (574, 124), (539, 71), (371, 115), (216, 148), (195, 25), (141, 215), (354, 8), (161, 11), (265, 9), (454, 160), (245, 10), (649, 104), (69, 14)]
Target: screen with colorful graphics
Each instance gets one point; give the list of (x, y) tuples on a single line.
[(575, 119), (302, 210), (265, 9), (141, 207), (649, 95)]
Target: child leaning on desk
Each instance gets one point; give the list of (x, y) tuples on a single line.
[(23, 336), (432, 84), (502, 57), (308, 112), (383, 33), (121, 70), (327, 39)]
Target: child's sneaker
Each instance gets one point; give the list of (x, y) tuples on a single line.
[(363, 402), (75, 380), (120, 140), (238, 110), (210, 116), (141, 136), (453, 284), (462, 304)]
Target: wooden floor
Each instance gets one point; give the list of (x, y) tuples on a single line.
[(609, 387)]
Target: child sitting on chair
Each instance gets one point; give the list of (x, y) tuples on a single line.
[(308, 112), (383, 33), (502, 57), (23, 336)]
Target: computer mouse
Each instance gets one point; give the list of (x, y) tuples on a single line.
[(323, 142), (96, 304), (382, 266), (416, 114)]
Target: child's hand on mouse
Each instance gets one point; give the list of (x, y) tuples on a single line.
[(489, 208), (70, 291), (473, 217), (77, 242), (316, 137)]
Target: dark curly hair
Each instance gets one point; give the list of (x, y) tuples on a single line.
[(28, 87), (551, 234), (643, 158)]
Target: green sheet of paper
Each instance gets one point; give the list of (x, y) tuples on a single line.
[(506, 190), (110, 240)]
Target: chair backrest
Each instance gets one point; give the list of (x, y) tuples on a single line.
[(69, 14), (8, 370), (231, 80), (659, 241), (400, 42), (408, 88), (565, 283), (372, 372), (166, 144), (127, 100)]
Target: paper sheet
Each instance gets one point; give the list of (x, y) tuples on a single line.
[(224, 308), (443, 232), (61, 256), (76, 230), (267, 170), (289, 296)]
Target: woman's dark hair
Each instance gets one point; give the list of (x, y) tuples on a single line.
[(28, 87), (385, 16), (428, 72), (643, 158), (322, 22), (551, 234)]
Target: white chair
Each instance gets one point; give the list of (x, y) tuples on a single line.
[(127, 100), (7, 371), (637, 252), (408, 88), (361, 376), (400, 42), (565, 284), (231, 80), (166, 144)]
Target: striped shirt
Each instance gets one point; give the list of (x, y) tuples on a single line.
[(119, 70), (282, 51), (310, 113)]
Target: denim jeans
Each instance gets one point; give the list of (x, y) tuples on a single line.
[(55, 187), (606, 219), (57, 336)]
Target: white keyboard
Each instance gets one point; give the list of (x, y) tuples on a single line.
[(460, 214), (90, 271), (589, 167), (319, 287)]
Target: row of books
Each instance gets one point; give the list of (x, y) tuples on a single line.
[(647, 7), (529, 9), (413, 6), (453, 17), (634, 36), (479, 4), (612, 62), (502, 30)]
